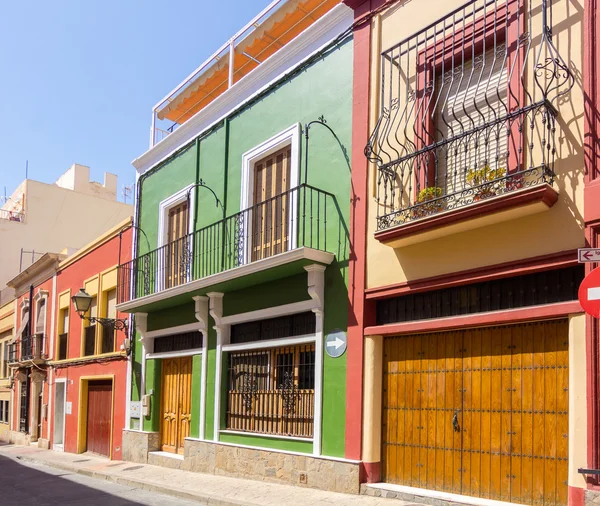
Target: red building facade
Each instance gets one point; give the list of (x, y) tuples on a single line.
[(89, 368)]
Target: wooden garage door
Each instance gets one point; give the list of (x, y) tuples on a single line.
[(99, 417), (480, 412), (176, 403)]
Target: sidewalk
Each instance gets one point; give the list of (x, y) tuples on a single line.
[(204, 488)]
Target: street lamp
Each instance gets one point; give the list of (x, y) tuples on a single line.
[(82, 302)]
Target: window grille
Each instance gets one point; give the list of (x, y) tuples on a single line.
[(300, 324), (272, 391), (62, 346), (89, 345), (468, 109), (178, 342)]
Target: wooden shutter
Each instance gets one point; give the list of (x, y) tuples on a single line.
[(41, 317), (176, 246), (270, 234)]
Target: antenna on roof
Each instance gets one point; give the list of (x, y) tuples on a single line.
[(26, 169), (126, 191)]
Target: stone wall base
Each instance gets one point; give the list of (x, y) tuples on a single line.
[(137, 445), (44, 444), (18, 438), (254, 464), (592, 497)]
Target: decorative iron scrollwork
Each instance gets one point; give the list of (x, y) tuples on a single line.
[(249, 389), (289, 392)]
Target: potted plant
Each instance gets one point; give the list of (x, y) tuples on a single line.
[(427, 202), (485, 181)]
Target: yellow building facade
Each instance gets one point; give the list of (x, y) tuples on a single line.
[(471, 198)]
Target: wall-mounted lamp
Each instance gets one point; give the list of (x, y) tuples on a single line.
[(82, 302)]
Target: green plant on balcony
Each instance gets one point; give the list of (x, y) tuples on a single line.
[(485, 181), (428, 202)]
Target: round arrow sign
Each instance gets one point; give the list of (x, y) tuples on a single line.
[(335, 343), (589, 293)]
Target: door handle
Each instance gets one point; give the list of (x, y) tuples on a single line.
[(455, 423)]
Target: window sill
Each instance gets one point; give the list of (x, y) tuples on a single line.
[(480, 214), (269, 436), (90, 358)]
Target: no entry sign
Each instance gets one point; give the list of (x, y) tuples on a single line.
[(589, 293)]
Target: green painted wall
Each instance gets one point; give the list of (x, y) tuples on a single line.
[(195, 414), (153, 378), (291, 445), (323, 88)]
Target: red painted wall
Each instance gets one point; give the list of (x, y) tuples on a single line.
[(72, 277), (46, 286)]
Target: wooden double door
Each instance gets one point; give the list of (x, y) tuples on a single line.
[(176, 403), (480, 412), (99, 417)]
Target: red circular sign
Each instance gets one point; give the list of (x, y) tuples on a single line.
[(589, 293)]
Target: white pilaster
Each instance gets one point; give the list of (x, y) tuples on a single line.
[(201, 313)]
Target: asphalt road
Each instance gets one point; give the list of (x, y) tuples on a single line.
[(25, 484)]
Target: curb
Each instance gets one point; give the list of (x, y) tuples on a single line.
[(136, 483)]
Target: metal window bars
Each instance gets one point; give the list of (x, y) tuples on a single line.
[(272, 391), (468, 109), (293, 219)]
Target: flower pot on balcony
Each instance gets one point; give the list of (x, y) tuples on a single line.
[(429, 202), (486, 182)]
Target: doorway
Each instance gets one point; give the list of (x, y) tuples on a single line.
[(59, 414), (99, 417), (176, 403)]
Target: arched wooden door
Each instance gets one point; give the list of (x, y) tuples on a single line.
[(479, 412), (176, 403)]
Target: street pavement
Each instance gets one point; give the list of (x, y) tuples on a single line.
[(52, 478), (26, 483)]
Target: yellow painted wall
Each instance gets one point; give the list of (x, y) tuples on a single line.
[(56, 218), (519, 238)]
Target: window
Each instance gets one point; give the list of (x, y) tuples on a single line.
[(470, 105), (272, 391), (4, 353), (270, 213), (40, 321), (63, 333), (3, 411), (107, 334), (6, 406), (89, 334), (178, 342)]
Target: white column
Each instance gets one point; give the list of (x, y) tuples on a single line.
[(201, 313), (216, 311), (141, 322)]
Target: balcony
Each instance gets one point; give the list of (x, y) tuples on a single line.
[(300, 226), (29, 348), (17, 216), (467, 125)]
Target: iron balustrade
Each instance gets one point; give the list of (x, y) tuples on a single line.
[(293, 219), (13, 351), (11, 215), (468, 110), (32, 347)]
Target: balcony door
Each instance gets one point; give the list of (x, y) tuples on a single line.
[(271, 205), (176, 254)]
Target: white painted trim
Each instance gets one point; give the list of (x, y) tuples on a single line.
[(274, 450), (169, 455), (434, 494), (215, 305), (268, 436), (270, 343), (288, 137), (172, 354), (308, 43), (179, 329), (302, 253), (270, 312), (128, 383), (51, 354), (141, 323), (318, 408), (201, 314)]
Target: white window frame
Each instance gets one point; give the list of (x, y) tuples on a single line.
[(288, 137), (41, 295), (165, 205)]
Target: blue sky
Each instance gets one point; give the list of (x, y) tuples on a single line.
[(80, 77)]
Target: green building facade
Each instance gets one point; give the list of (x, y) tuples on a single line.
[(239, 277)]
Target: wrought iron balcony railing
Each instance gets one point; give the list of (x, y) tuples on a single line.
[(12, 353), (32, 347), (468, 110), (301, 217)]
